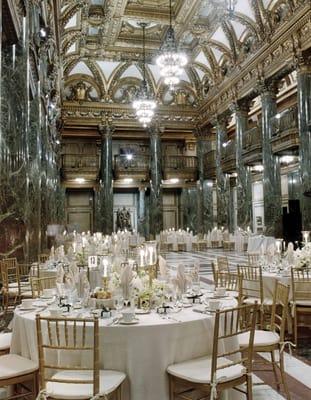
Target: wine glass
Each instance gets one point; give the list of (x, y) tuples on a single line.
[(118, 303)]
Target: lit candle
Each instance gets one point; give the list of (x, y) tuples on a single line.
[(278, 246), (142, 254), (105, 262), (151, 255), (74, 246), (187, 228)]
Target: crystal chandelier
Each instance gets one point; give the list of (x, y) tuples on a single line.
[(144, 103), (231, 7), (170, 61)]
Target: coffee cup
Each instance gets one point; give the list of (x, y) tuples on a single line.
[(128, 315), (220, 291), (214, 304), (27, 303)]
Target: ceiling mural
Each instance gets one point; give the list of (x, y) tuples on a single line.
[(102, 45)]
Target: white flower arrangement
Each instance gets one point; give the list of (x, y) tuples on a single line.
[(303, 256)]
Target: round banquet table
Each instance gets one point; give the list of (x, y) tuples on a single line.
[(142, 351)]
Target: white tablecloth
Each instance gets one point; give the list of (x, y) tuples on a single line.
[(269, 280), (259, 244), (142, 351)]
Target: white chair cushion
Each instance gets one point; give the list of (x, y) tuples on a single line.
[(305, 303), (5, 340), (108, 382), (12, 365), (233, 293), (252, 300), (261, 338), (199, 370)]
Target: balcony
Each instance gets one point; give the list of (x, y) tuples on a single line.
[(181, 167), (252, 146), (285, 132), (131, 166), (228, 157), (210, 165), (81, 165)]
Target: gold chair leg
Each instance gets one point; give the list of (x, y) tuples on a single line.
[(249, 388), (283, 377), (171, 387), (274, 367), (295, 329)]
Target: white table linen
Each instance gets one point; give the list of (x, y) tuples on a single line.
[(142, 351), (260, 243)]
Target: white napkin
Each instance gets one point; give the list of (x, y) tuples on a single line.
[(270, 253), (74, 272), (181, 279), (290, 254), (84, 287), (126, 279), (60, 274), (162, 266), (196, 271)]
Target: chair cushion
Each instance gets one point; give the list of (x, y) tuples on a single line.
[(12, 365), (251, 300), (5, 340), (108, 382), (199, 370), (304, 303), (233, 293), (261, 338)]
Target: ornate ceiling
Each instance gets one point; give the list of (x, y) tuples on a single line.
[(102, 45)]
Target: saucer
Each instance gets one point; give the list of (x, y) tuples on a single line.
[(27, 308), (46, 297), (133, 322), (141, 311)]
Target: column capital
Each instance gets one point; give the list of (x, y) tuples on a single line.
[(106, 129), (303, 63), (241, 106), (202, 133), (221, 121), (267, 87), (156, 129)]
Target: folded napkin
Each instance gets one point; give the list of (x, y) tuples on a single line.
[(162, 266), (84, 287), (181, 280), (74, 272), (60, 274), (126, 278), (196, 271), (290, 254)]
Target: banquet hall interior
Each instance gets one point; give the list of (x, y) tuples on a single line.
[(155, 199)]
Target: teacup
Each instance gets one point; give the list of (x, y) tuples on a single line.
[(220, 291), (27, 303), (214, 304), (55, 311), (128, 315)]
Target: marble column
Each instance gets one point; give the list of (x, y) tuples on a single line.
[(189, 208), (156, 208), (304, 119), (204, 188), (106, 180), (243, 179), (141, 212), (271, 163), (222, 180)]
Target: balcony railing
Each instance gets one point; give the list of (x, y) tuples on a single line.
[(182, 167), (252, 146), (210, 165), (285, 133), (134, 166), (80, 165), (228, 157)]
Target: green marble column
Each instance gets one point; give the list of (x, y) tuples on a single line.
[(106, 181), (189, 208), (156, 207), (244, 179), (222, 180), (204, 189), (304, 120), (141, 212), (271, 164)]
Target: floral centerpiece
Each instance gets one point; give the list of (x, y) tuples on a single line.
[(302, 256)]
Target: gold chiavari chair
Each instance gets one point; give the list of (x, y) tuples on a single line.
[(232, 283), (69, 378), (225, 368), (253, 259), (273, 340), (39, 284), (221, 265), (301, 301), (252, 288)]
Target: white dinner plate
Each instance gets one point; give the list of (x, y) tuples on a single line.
[(134, 322)]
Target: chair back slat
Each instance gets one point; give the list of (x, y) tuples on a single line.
[(279, 310), (59, 337), (301, 283), (252, 283), (39, 284), (227, 326)]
